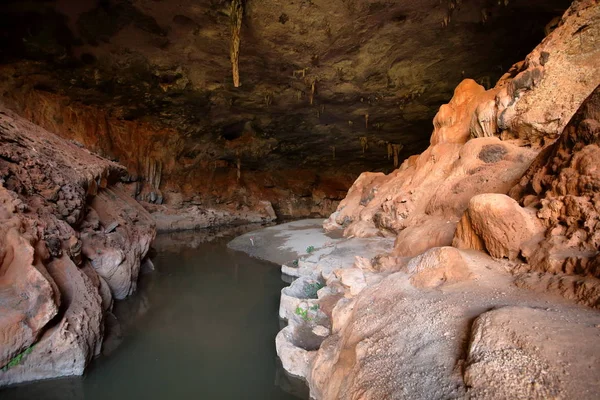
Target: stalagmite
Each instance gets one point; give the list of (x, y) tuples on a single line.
[(333, 152), (236, 13)]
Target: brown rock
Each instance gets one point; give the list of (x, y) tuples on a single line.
[(27, 299), (66, 348), (44, 200), (116, 255), (528, 353), (499, 223), (563, 183), (438, 266), (559, 74), (430, 233)]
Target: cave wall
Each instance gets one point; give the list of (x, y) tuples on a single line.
[(164, 169), (71, 240)]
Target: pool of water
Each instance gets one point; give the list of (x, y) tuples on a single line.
[(201, 326)]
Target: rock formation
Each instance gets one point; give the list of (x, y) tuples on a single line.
[(491, 288), (470, 271), (71, 240)]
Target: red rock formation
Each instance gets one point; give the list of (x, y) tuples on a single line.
[(55, 197), (423, 200), (496, 223), (165, 170), (458, 323)]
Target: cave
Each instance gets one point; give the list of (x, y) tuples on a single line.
[(424, 175)]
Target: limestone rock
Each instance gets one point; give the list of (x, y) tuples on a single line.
[(555, 79), (438, 266), (352, 278), (116, 255), (54, 301), (521, 352), (67, 348), (302, 290), (499, 223), (27, 297), (563, 185), (296, 360)]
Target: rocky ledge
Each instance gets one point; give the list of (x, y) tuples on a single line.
[(71, 240), (472, 271)]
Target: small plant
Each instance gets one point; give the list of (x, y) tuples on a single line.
[(295, 263), (310, 249), (311, 289), (302, 313), (314, 307), (16, 360)]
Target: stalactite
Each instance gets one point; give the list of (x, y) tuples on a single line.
[(268, 99), (236, 13), (300, 72), (239, 168), (158, 175), (390, 150), (367, 121), (364, 144), (484, 16), (333, 152), (486, 82), (396, 150), (446, 20), (146, 172), (313, 88)]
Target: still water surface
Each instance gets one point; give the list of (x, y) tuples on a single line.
[(201, 326)]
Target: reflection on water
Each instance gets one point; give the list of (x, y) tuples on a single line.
[(202, 326)]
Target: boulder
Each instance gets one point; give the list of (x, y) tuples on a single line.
[(27, 297), (66, 348), (438, 266), (499, 223), (532, 353)]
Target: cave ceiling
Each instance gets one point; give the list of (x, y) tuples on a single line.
[(324, 83)]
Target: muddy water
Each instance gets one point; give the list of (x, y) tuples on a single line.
[(201, 326)]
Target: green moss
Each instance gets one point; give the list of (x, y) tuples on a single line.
[(16, 360)]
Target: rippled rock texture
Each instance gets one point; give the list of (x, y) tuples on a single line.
[(71, 240)]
